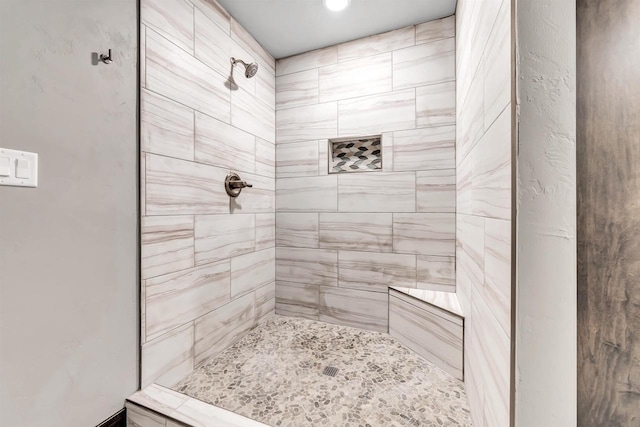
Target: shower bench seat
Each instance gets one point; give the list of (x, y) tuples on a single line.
[(431, 323)]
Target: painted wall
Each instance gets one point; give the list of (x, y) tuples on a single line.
[(342, 239), (484, 214), (68, 258), (546, 229), (207, 260)]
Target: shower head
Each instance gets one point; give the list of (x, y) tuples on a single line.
[(250, 70)]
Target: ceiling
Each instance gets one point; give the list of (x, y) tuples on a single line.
[(289, 27)]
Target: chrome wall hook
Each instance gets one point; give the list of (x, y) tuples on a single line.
[(106, 58)]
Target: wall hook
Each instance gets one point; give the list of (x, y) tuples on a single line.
[(106, 58)]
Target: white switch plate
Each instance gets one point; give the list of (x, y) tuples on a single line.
[(28, 169)]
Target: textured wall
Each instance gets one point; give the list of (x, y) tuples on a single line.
[(207, 260), (68, 257), (484, 214), (342, 239)]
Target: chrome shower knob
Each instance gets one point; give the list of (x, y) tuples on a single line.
[(233, 184)]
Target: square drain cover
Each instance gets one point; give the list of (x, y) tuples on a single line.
[(330, 371)]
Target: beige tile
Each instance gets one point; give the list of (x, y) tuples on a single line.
[(307, 61), (307, 194), (497, 268), (172, 18), (265, 158), (356, 231), (437, 273), (215, 12), (297, 230), (309, 122), (307, 266), (265, 231), (297, 89), (355, 308), (297, 300), (376, 192), (265, 302), (497, 67), (168, 358), (245, 40), (424, 149), (436, 105), (252, 116), (355, 78), (178, 298), (220, 237), (437, 29), (436, 191), (138, 416), (379, 43), (251, 271), (297, 159), (372, 271), (425, 233), (166, 244), (258, 199), (377, 113), (424, 64)]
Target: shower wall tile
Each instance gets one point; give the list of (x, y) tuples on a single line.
[(436, 105), (307, 61), (424, 233), (372, 271), (261, 198), (424, 64), (169, 358), (167, 244), (172, 18), (222, 145), (265, 231), (307, 194), (497, 67), (436, 191), (215, 12), (318, 121), (265, 302), (297, 89), (323, 157), (424, 149), (436, 273), (220, 237), (265, 158), (178, 298), (143, 54), (266, 89), (297, 300), (497, 267), (436, 30), (213, 45), (176, 74), (355, 78), (387, 152), (251, 271), (355, 308), (298, 230), (251, 115), (138, 416), (470, 124), (377, 192), (307, 266), (376, 44), (378, 113), (240, 35), (356, 231), (296, 159), (166, 127), (470, 249)]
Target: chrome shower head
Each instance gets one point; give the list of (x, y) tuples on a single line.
[(250, 70)]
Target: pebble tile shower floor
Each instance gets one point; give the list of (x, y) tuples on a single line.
[(275, 375)]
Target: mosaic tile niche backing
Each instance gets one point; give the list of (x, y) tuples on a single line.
[(356, 155)]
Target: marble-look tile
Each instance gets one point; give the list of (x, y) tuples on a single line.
[(372, 271), (299, 230), (220, 237), (323, 157), (240, 35), (195, 413), (424, 233), (437, 29), (470, 117), (178, 298), (266, 89), (443, 304), (265, 302), (215, 12), (261, 198), (166, 244), (424, 149), (436, 273), (174, 73), (143, 184), (307, 61), (464, 183), (138, 416), (251, 271), (213, 45), (470, 248), (297, 159), (497, 66), (377, 192), (252, 116), (387, 152), (436, 191), (265, 231), (377, 113), (218, 330), (307, 194), (166, 127), (168, 358), (307, 266), (222, 145), (497, 270), (318, 121), (356, 231), (158, 398), (172, 18), (297, 89), (355, 308), (143, 56), (424, 64), (265, 158), (143, 311), (436, 105), (355, 78), (434, 338), (379, 43), (297, 300)]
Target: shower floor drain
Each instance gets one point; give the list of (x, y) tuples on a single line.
[(330, 371)]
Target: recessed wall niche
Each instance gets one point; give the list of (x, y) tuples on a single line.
[(355, 154)]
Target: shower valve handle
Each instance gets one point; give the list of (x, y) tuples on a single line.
[(233, 184)]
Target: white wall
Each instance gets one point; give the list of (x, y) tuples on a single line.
[(68, 258), (546, 223)]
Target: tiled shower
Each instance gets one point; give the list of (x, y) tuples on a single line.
[(426, 205)]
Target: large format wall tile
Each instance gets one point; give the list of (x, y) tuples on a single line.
[(307, 194), (372, 271), (166, 244), (266, 89), (297, 89), (379, 43), (297, 159), (265, 231), (297, 299), (436, 105), (169, 358), (307, 61), (436, 30), (297, 230), (424, 149), (307, 266), (173, 18), (265, 158), (424, 64), (318, 121), (351, 307), (261, 198), (252, 271), (497, 67), (356, 231), (436, 191), (178, 298), (252, 116), (425, 233), (470, 248), (497, 267), (377, 113), (223, 236), (376, 192), (355, 78), (214, 46), (241, 36), (436, 273), (265, 302), (215, 12)]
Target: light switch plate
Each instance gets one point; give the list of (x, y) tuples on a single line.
[(22, 164)]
